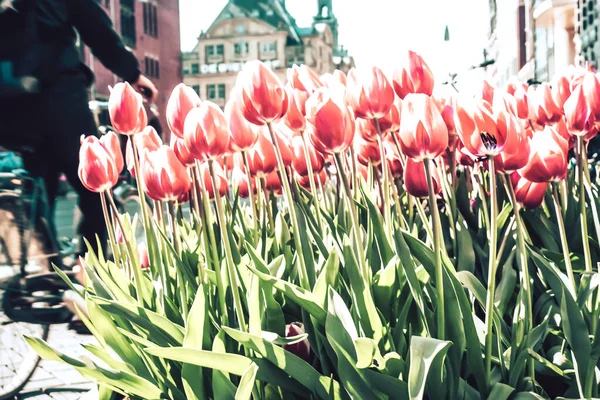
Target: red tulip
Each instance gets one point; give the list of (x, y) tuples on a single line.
[(284, 135), (183, 198), (390, 122), (521, 97), (542, 106), (143, 256), (273, 183), (303, 78), (97, 170), (423, 133), (415, 180), (112, 144), (330, 121), (370, 94), (487, 91), (548, 159), (561, 90), (240, 182), (591, 89), (300, 349), (504, 102), (207, 179), (183, 154), (515, 153), (299, 160), (261, 158), (294, 118), (366, 129), (393, 158), (147, 139), (579, 113), (366, 152), (447, 112), (126, 109), (242, 134), (477, 129), (164, 178), (262, 94), (205, 131), (464, 156), (183, 99), (304, 180), (415, 77), (530, 194)]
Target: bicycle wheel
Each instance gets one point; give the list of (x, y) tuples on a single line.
[(18, 361)]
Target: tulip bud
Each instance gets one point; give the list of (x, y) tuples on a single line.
[(423, 133), (112, 144), (578, 113), (299, 160), (330, 121), (164, 178), (548, 159), (415, 179), (415, 77), (242, 134), (205, 131), (262, 95), (183, 99), (143, 255), (300, 349), (370, 93), (530, 194), (126, 109), (97, 170)]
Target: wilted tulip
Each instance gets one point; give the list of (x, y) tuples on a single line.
[(415, 179), (415, 77), (423, 133), (164, 178), (261, 93), (242, 134), (317, 161), (126, 109), (530, 194), (476, 128), (542, 106), (205, 131), (330, 121), (579, 113), (183, 99), (97, 170), (143, 255), (112, 144), (301, 348), (548, 159), (370, 93)]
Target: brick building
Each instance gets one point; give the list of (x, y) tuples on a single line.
[(151, 29), (261, 29)]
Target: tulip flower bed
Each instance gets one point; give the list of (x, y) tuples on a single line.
[(350, 237)]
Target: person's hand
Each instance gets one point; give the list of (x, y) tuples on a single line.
[(146, 88)]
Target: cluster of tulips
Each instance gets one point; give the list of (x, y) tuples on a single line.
[(376, 254)]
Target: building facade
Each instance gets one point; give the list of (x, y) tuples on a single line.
[(588, 43), (531, 39), (151, 29), (261, 29)]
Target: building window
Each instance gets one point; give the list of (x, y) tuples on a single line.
[(215, 92), (150, 13), (196, 89), (152, 67), (268, 47), (195, 68), (128, 22), (220, 49), (241, 48), (215, 50)]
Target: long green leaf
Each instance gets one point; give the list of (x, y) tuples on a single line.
[(423, 353), (244, 390)]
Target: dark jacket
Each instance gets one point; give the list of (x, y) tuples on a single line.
[(96, 31)]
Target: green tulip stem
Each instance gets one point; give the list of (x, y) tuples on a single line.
[(302, 271), (354, 215), (251, 196), (135, 265), (493, 242), (437, 245), (178, 253), (233, 278), (582, 209), (313, 186), (387, 212), (563, 238), (111, 234)]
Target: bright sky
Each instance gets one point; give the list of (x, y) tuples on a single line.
[(379, 32)]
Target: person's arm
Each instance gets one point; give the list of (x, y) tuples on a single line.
[(96, 30)]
